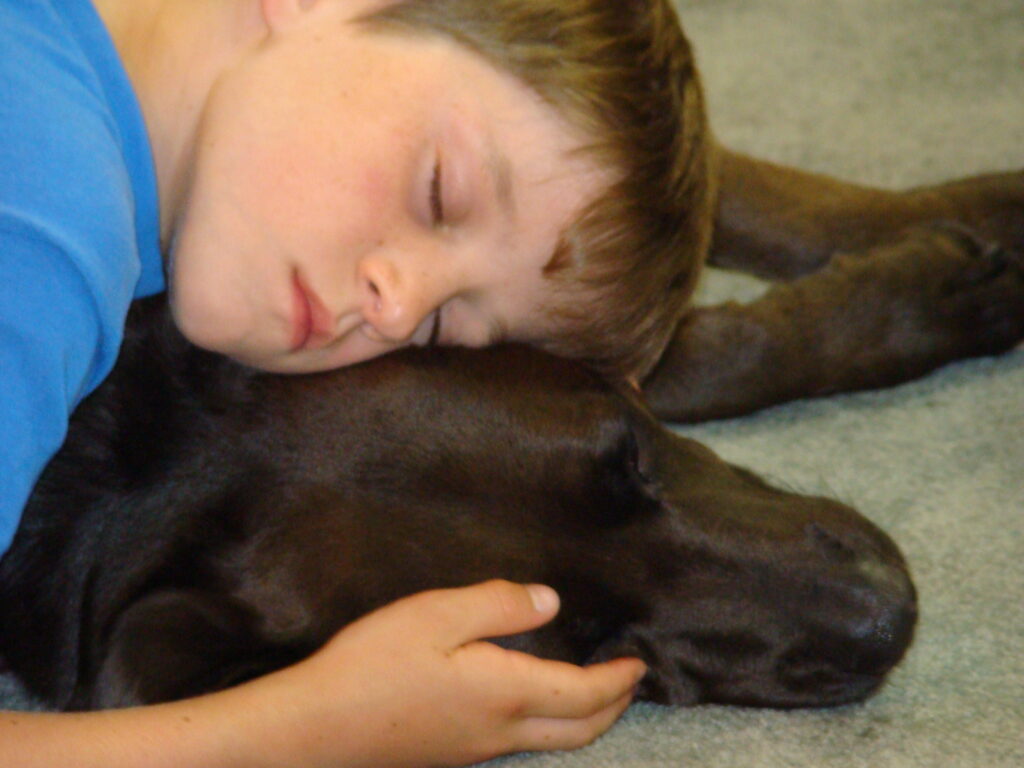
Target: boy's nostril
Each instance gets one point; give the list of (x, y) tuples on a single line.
[(374, 301)]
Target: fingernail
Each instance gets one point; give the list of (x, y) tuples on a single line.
[(545, 599)]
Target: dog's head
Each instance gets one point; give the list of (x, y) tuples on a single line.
[(753, 595), (509, 463)]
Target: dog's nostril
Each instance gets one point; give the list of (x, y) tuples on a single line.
[(880, 610), (895, 611), (830, 543), (863, 625), (885, 645)]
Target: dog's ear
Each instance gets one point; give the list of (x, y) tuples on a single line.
[(666, 682), (176, 644)]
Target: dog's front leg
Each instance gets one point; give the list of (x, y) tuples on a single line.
[(870, 319), (781, 223)]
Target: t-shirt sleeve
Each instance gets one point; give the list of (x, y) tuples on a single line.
[(50, 340)]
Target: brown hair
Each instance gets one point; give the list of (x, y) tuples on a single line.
[(622, 72)]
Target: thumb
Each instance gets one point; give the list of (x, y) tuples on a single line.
[(495, 609)]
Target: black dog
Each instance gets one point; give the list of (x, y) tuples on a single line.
[(205, 524)]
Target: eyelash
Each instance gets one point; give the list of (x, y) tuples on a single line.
[(436, 198)]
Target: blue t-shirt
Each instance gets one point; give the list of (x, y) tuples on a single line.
[(79, 227)]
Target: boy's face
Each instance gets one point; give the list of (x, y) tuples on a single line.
[(355, 192)]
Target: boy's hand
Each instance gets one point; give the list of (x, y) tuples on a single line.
[(413, 684)]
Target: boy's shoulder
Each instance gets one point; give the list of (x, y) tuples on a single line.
[(75, 164)]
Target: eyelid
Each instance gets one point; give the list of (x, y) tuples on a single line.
[(436, 194)]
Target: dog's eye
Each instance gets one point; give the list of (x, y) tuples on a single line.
[(626, 490), (626, 462), (633, 459)]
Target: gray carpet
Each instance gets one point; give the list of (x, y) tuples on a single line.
[(891, 92)]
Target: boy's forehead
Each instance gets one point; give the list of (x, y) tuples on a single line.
[(466, 61)]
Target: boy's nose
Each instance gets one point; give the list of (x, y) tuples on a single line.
[(392, 302)]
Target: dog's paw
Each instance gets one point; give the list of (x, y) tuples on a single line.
[(938, 294), (991, 205), (977, 287)]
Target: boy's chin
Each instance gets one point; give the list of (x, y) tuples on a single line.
[(298, 361), (280, 362), (273, 352)]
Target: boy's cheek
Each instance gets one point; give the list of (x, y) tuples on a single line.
[(209, 282), (203, 307), (373, 192)]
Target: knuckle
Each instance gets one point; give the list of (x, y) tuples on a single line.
[(438, 612), (513, 706), (503, 743), (594, 701), (597, 725), (591, 734), (579, 735), (506, 598), (431, 607)]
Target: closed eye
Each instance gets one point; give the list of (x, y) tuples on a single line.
[(436, 196)]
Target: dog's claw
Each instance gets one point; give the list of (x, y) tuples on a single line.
[(979, 307)]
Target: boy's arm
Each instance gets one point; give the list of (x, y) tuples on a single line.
[(409, 685)]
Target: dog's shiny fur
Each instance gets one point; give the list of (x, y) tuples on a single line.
[(204, 524)]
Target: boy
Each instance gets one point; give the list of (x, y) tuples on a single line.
[(331, 180)]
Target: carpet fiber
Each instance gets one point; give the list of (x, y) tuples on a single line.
[(889, 92)]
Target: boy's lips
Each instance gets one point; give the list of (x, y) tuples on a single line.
[(311, 322)]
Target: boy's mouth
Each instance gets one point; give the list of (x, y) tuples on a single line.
[(311, 322)]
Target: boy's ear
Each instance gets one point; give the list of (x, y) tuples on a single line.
[(280, 14)]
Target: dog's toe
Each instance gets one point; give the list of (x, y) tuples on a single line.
[(980, 288)]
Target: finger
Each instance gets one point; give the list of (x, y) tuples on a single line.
[(561, 690), (569, 733), (491, 609)]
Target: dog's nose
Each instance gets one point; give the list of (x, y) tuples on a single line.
[(880, 598), (888, 614), (882, 601), (858, 637), (860, 613)]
